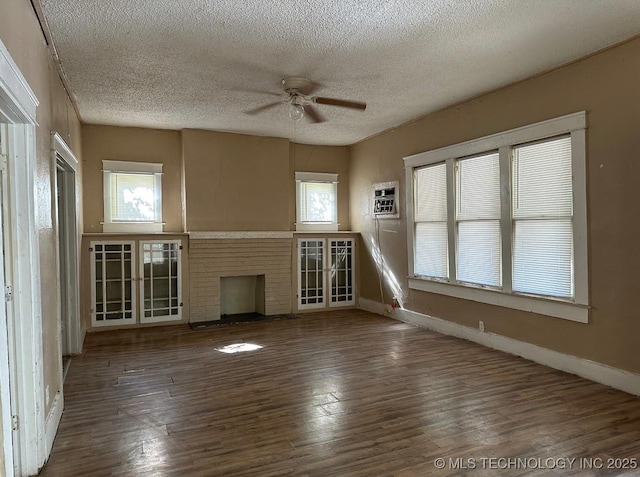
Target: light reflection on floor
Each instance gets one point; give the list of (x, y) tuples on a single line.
[(239, 348)]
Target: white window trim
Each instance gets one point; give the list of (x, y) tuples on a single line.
[(315, 226), (574, 310), (109, 226)]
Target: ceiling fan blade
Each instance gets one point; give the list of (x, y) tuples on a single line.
[(313, 114), (260, 109), (340, 102), (259, 91)]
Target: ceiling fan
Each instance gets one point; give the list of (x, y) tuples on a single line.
[(298, 93)]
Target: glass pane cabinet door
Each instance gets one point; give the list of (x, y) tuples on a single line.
[(160, 288), (311, 273), (342, 276), (113, 293)]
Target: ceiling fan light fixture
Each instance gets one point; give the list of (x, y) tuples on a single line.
[(296, 112)]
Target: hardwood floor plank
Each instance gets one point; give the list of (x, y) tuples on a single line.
[(330, 394)]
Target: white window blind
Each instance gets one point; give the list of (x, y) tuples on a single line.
[(431, 236), (479, 253), (133, 197), (318, 202), (543, 218)]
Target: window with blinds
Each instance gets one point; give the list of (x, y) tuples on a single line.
[(503, 219), (543, 218), (132, 196), (316, 201), (431, 234), (479, 246)]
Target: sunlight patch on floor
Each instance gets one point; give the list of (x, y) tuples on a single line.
[(238, 348)]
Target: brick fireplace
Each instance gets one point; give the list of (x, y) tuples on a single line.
[(215, 255)]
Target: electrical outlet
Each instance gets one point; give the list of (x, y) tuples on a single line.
[(481, 325)]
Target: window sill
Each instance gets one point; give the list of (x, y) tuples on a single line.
[(132, 227), (549, 307), (316, 227)]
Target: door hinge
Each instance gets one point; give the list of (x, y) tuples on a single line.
[(14, 423), (8, 293)]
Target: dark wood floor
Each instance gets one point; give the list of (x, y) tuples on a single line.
[(331, 394)]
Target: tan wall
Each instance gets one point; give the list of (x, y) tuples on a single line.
[(235, 182), (222, 181), (606, 86), (136, 145), (333, 160), (20, 32)]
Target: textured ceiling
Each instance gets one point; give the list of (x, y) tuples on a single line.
[(202, 63)]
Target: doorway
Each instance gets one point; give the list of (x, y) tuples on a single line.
[(66, 227)]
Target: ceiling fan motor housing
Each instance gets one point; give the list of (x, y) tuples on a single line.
[(294, 84)]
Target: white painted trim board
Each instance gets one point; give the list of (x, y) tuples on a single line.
[(592, 370), (53, 420)]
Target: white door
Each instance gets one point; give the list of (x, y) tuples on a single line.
[(7, 394), (342, 276), (311, 273), (160, 280), (112, 283)]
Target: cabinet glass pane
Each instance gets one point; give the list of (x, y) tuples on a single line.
[(341, 272), (112, 282), (161, 280), (311, 265)]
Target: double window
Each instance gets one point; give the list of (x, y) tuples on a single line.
[(502, 219), (132, 196)]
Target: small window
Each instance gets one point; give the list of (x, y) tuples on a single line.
[(132, 196), (317, 201)]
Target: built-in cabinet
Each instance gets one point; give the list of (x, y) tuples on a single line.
[(326, 272), (121, 291)]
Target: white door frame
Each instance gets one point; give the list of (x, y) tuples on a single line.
[(5, 374), (62, 154), (18, 106)]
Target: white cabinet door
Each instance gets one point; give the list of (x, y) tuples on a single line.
[(311, 268), (326, 273), (112, 292), (342, 275), (160, 284)]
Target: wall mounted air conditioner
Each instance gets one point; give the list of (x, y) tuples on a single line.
[(386, 200)]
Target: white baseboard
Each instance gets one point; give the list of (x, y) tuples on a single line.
[(53, 420), (592, 370)]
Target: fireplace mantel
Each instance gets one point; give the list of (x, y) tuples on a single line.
[(241, 234)]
